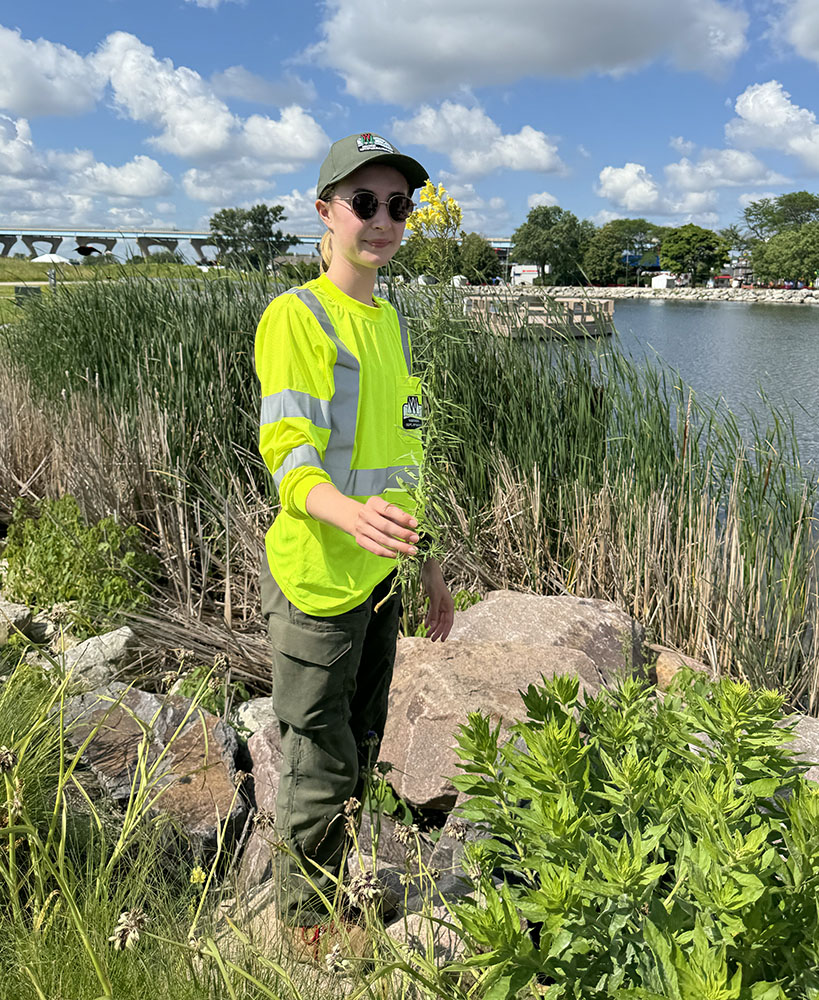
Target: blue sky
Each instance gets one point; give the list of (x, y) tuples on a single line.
[(156, 114)]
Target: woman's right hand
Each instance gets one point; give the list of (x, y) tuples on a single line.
[(384, 529), (377, 526)]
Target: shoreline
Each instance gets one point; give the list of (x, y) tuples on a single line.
[(763, 296)]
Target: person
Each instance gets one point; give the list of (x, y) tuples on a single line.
[(340, 432)]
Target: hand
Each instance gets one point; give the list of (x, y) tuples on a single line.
[(441, 613), (384, 529)]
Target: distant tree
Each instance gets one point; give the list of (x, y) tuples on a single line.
[(554, 236), (164, 257), (791, 255), (693, 250), (408, 259), (768, 216), (247, 237), (619, 248), (298, 271), (478, 261)]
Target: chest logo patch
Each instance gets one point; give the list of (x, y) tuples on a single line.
[(411, 414)]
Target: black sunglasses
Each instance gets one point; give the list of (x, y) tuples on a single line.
[(365, 205)]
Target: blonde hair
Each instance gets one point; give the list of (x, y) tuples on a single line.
[(326, 245)]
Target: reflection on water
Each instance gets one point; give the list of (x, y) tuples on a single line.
[(736, 352)]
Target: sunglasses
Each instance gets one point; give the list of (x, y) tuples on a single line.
[(365, 205)]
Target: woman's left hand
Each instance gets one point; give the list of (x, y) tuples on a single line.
[(441, 613)]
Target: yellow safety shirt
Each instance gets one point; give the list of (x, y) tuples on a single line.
[(340, 405)]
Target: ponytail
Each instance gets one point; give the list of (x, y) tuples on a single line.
[(326, 245), (326, 250)]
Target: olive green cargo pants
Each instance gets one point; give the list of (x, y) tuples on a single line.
[(331, 681)]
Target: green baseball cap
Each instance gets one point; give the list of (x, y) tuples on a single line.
[(355, 151)]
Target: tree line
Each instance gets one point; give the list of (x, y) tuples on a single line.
[(778, 236)]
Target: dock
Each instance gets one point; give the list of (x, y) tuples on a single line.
[(521, 315)]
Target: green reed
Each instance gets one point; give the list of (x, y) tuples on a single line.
[(557, 466)]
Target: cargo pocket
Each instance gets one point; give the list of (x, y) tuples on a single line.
[(309, 673)]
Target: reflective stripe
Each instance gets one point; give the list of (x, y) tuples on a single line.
[(292, 403), (405, 344), (342, 417), (305, 454), (371, 482)]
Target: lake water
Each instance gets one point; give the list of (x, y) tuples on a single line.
[(729, 350)]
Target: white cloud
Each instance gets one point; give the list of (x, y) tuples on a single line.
[(226, 183), (212, 4), (720, 168), (462, 45), (767, 118), (633, 189), (44, 78), (195, 123), (489, 216), (300, 211), (684, 146), (236, 81), (800, 25), (544, 198), (475, 144), (142, 177)]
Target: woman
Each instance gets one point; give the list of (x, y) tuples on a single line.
[(340, 432)]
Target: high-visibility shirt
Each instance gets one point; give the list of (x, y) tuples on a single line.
[(340, 405)]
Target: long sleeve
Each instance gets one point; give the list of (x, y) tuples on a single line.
[(294, 363)]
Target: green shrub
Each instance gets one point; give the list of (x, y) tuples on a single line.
[(657, 848), (54, 557)]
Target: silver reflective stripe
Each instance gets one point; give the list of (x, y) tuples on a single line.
[(370, 482), (292, 403), (344, 404), (305, 454), (405, 344)]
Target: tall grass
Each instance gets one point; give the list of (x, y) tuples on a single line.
[(561, 467)]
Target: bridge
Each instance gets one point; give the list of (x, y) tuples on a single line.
[(104, 240)]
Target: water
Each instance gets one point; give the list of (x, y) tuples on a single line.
[(735, 352)]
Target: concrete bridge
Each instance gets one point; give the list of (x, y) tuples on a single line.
[(106, 240)]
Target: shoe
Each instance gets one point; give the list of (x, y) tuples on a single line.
[(330, 945)]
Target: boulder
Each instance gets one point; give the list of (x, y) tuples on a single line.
[(806, 744), (255, 714), (196, 776), (612, 641), (670, 662), (436, 685), (14, 618), (97, 660), (265, 752), (41, 629)]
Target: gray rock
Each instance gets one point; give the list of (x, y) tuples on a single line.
[(256, 714), (265, 751), (41, 629), (806, 744), (670, 662), (197, 773), (14, 618), (99, 659), (611, 640), (436, 685)]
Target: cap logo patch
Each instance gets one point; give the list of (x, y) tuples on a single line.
[(368, 143)]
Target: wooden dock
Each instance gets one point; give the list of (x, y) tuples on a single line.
[(531, 315)]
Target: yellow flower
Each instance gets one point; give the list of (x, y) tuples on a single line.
[(198, 876)]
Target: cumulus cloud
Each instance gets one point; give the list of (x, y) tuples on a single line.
[(142, 177), (43, 78), (461, 45), (634, 190), (767, 118), (489, 216), (475, 144), (684, 146), (800, 26), (544, 198), (300, 211), (720, 168), (212, 4), (194, 122), (236, 81)]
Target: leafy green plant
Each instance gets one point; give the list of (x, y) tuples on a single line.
[(54, 557), (656, 848), (214, 693)]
